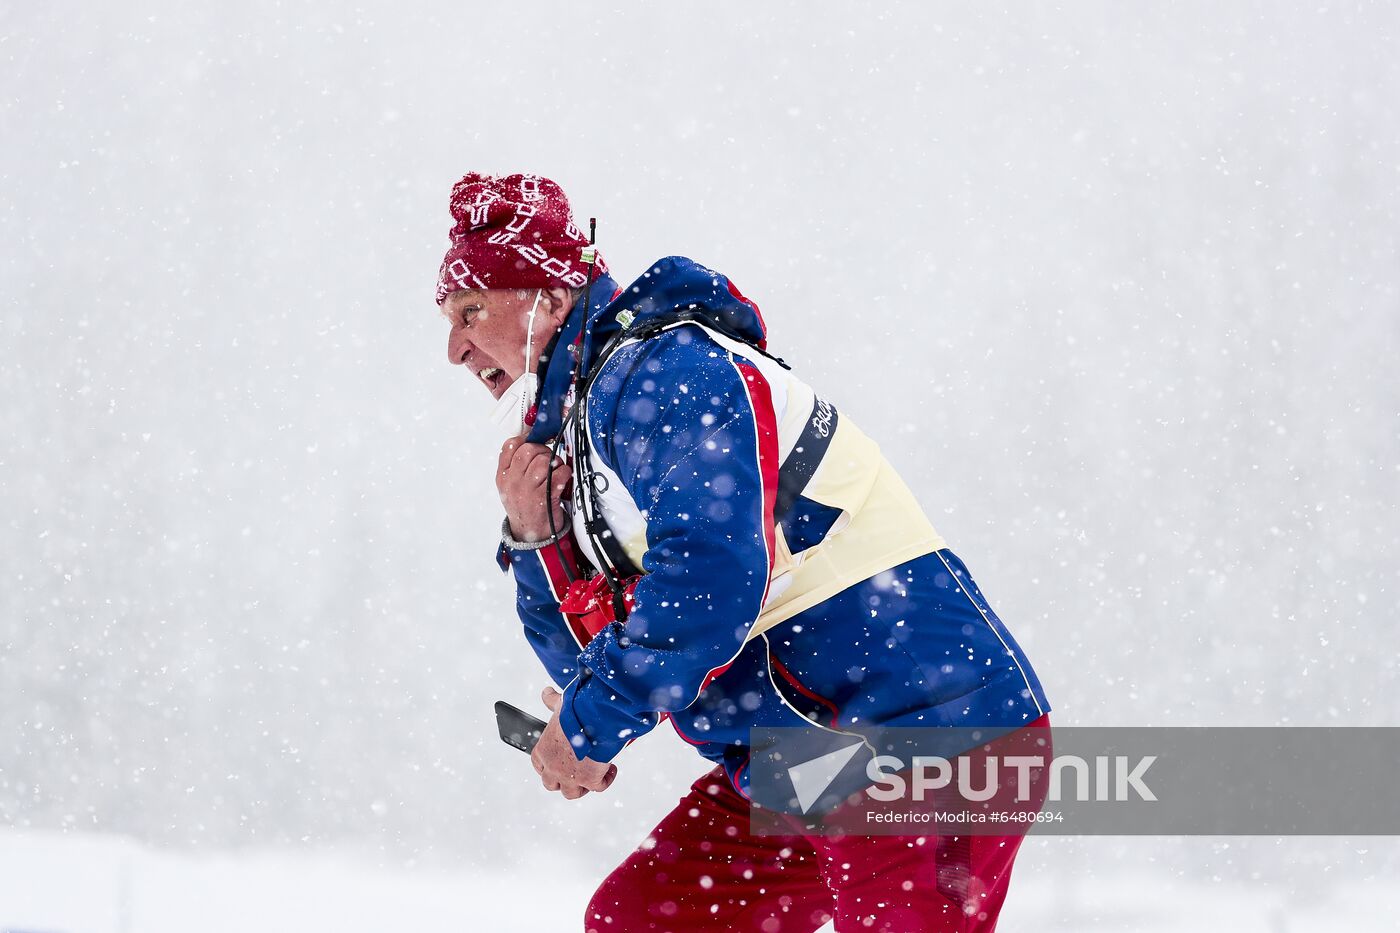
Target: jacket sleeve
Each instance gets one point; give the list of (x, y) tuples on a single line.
[(689, 428), (540, 580)]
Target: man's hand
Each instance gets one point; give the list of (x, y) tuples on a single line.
[(554, 759), (521, 475)]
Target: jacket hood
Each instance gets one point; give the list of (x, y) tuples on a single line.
[(671, 287)]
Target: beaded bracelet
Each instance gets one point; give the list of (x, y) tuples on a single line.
[(515, 545)]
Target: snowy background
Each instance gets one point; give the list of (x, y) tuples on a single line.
[(1115, 285)]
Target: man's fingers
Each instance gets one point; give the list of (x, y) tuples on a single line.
[(562, 479), (550, 698), (574, 792), (524, 453), (603, 781), (507, 452), (531, 467)]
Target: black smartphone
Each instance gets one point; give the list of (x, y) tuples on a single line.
[(518, 728)]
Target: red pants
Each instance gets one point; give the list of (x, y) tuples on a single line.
[(700, 869)]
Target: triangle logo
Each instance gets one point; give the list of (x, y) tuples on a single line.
[(811, 778)]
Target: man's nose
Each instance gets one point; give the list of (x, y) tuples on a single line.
[(458, 346)]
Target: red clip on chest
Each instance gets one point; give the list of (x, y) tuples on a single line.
[(589, 603)]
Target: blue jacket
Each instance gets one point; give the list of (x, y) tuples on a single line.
[(776, 591)]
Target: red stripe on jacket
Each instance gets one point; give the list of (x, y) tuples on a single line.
[(766, 423), (557, 569), (787, 675)]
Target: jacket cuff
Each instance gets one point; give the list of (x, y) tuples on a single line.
[(594, 728)]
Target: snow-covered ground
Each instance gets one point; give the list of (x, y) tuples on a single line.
[(95, 884), (51, 883)]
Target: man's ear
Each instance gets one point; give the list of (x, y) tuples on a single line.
[(558, 302)]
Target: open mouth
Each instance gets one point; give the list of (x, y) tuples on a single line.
[(495, 378)]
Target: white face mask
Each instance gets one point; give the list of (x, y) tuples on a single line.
[(515, 402)]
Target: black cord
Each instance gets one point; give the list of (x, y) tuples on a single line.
[(593, 521), (563, 425)]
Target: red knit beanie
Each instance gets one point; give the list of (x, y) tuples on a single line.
[(512, 231)]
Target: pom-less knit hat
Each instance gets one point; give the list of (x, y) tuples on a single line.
[(512, 231)]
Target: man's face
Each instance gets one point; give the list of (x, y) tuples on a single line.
[(488, 333), (489, 329)]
